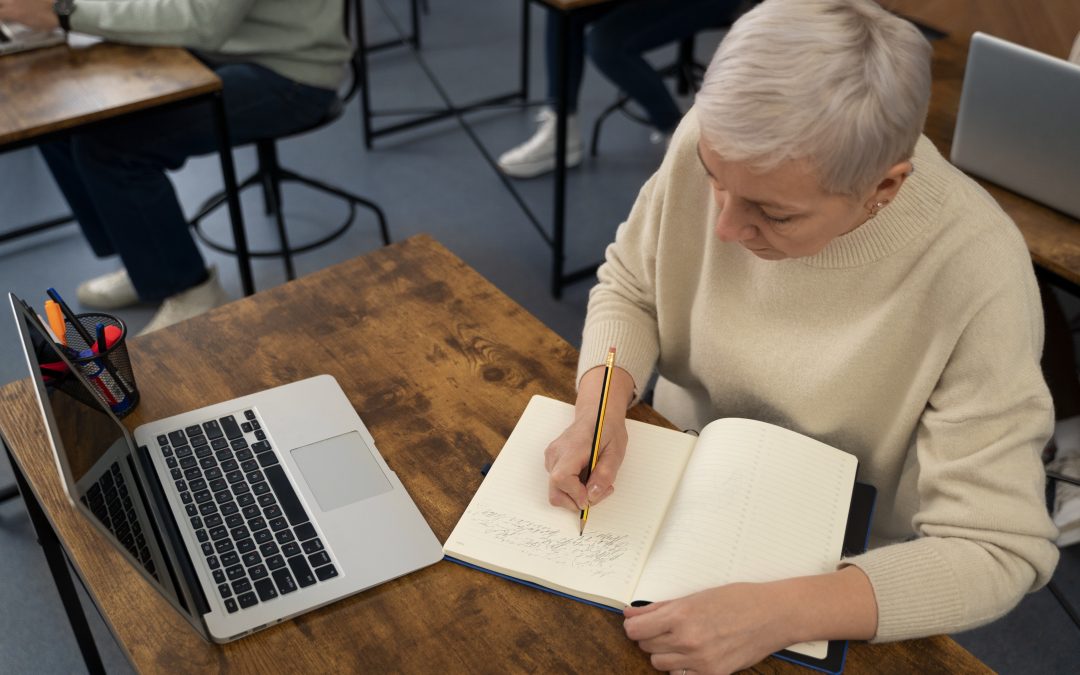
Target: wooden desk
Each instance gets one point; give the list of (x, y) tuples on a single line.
[(439, 364), (1053, 238), (46, 93)]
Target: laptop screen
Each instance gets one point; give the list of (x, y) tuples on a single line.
[(97, 458)]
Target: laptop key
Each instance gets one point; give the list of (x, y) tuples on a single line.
[(256, 523), (213, 562), (207, 548), (223, 496), (191, 510), (249, 414), (201, 535), (270, 548), (257, 572), (251, 559), (260, 488), (185, 497), (249, 465), (265, 589), (193, 430), (217, 484), (264, 537), (183, 451), (231, 558), (300, 569), (290, 549), (243, 455), (198, 441), (255, 425), (284, 537), (275, 562), (212, 429), (230, 605), (278, 524), (284, 581), (223, 545), (238, 444), (305, 531), (219, 533), (177, 438), (224, 591), (204, 451), (267, 458), (219, 444), (196, 522), (248, 600), (245, 546), (251, 511), (260, 434), (192, 472), (197, 484), (319, 559), (266, 501), (167, 451), (162, 440), (246, 426), (234, 476), (219, 577), (213, 520), (260, 446), (202, 496), (235, 520), (235, 572), (241, 585), (273, 511), (229, 508), (290, 503), (326, 572), (231, 428), (174, 469), (246, 499), (207, 508), (239, 533)]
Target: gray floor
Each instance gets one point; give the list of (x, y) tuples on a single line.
[(429, 180)]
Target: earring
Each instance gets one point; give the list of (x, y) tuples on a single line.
[(877, 207)]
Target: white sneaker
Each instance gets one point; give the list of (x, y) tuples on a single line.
[(109, 291), (1067, 501), (190, 303), (536, 156)]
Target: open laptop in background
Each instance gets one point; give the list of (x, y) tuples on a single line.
[(243, 513), (1019, 122), (18, 38)]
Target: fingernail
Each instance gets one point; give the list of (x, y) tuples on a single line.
[(594, 491)]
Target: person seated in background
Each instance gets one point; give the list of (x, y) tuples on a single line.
[(616, 42), (280, 62), (804, 256)]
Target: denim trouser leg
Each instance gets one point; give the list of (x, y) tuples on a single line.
[(114, 177), (617, 41)]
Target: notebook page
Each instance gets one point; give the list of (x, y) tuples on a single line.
[(756, 503), (510, 527)]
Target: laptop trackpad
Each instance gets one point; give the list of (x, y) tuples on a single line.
[(340, 471)]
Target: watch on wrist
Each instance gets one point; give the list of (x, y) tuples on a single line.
[(63, 10)]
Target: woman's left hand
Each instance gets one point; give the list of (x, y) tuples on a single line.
[(719, 630)]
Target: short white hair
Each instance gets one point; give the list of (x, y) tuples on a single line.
[(843, 84)]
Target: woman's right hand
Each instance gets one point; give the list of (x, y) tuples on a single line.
[(568, 455)]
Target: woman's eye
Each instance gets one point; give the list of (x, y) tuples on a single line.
[(778, 221)]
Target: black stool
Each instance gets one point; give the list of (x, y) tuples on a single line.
[(270, 175)]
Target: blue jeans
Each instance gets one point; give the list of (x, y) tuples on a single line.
[(619, 37), (114, 179)]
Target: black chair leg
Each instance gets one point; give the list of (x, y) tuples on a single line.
[(594, 144), (271, 180), (10, 492), (285, 174)]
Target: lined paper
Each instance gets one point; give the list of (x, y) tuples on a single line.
[(510, 527), (756, 503)]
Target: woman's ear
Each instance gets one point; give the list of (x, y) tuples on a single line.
[(886, 189)]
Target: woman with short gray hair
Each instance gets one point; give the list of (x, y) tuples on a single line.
[(805, 257)]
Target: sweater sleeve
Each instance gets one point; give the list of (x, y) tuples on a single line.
[(198, 24), (982, 530)]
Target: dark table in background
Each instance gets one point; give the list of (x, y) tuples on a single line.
[(48, 93)]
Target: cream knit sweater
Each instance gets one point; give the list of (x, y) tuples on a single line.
[(302, 40), (912, 342)]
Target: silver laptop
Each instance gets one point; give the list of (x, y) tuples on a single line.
[(15, 37), (243, 513), (1019, 122)]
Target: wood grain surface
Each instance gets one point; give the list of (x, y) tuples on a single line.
[(1053, 237), (47, 90), (439, 364)]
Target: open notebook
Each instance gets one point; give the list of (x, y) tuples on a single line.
[(745, 501)]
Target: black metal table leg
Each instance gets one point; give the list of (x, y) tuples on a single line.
[(232, 194), (57, 560), (561, 104), (525, 40)]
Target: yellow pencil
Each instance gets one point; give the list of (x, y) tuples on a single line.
[(609, 368)]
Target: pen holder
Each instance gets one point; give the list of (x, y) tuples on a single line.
[(109, 373)]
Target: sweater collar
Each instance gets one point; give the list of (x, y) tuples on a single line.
[(912, 212)]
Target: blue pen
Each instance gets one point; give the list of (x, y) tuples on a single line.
[(70, 316)]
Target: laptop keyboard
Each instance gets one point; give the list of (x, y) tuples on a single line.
[(255, 534), (110, 502)]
